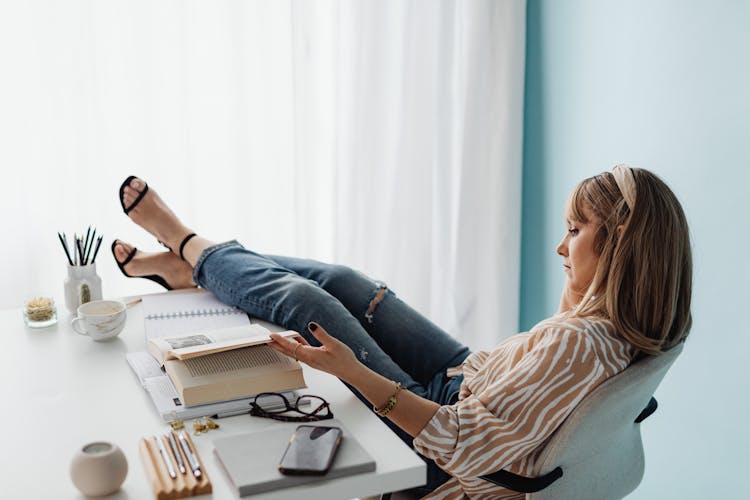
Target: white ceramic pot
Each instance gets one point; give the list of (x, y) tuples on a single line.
[(82, 285), (98, 468)]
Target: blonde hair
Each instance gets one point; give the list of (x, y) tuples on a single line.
[(643, 279)]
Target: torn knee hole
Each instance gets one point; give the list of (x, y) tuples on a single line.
[(379, 296)]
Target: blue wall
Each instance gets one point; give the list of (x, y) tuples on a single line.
[(663, 85)]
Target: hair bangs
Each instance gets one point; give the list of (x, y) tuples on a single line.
[(579, 202)]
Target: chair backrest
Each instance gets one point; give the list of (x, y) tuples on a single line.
[(599, 445)]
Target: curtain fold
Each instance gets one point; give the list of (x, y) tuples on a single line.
[(381, 134), (429, 157)]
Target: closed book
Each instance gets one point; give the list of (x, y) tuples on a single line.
[(167, 400), (251, 460), (234, 374)]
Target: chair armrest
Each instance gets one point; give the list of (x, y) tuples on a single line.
[(523, 484), (647, 411)]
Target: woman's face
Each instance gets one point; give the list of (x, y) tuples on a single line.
[(577, 251)]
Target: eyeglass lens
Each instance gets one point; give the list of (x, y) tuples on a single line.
[(274, 403)]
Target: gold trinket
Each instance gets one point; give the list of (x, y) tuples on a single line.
[(177, 425), (202, 425)]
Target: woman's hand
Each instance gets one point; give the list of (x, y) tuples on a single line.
[(411, 412), (333, 356)]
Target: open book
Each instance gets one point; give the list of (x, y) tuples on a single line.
[(210, 342), (211, 353)]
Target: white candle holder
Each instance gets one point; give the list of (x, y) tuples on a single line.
[(98, 469)]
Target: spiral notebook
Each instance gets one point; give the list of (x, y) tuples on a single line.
[(187, 312)]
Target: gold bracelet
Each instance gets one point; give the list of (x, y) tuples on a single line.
[(390, 404)]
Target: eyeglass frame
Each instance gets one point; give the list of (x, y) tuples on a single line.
[(257, 411)]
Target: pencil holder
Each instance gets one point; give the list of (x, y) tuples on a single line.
[(82, 285)]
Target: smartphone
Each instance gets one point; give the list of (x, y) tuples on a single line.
[(311, 450)]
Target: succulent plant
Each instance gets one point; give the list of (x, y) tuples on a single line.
[(84, 293)]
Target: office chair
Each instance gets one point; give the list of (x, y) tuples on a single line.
[(597, 452)]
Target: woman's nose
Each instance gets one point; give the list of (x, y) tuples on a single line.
[(562, 248)]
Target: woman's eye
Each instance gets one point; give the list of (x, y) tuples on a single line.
[(573, 231)]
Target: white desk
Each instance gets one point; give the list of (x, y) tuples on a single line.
[(60, 390)]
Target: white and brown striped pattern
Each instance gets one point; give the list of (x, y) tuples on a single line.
[(514, 397)]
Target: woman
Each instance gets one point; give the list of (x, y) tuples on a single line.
[(627, 257)]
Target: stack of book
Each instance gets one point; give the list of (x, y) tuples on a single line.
[(206, 358)]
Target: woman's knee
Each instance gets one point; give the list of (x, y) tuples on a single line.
[(299, 291), (337, 275)]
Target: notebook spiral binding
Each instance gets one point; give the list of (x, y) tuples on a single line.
[(225, 311)]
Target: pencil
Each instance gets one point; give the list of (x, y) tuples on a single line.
[(91, 245), (65, 248), (80, 251), (96, 250), (65, 241), (86, 244)]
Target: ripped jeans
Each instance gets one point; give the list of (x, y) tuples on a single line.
[(385, 334)]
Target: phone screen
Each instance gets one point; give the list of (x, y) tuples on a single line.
[(311, 450)]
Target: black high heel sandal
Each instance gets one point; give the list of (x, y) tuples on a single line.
[(182, 245), (153, 277), (137, 200), (184, 242)]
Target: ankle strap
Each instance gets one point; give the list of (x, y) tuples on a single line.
[(184, 242)]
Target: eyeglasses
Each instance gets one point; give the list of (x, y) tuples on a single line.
[(273, 405)]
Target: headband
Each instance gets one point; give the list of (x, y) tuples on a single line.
[(626, 183)]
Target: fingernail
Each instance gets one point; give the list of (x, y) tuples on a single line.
[(312, 326)]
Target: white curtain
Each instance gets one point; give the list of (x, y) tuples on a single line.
[(429, 157), (381, 134)]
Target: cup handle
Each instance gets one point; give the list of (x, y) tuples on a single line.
[(75, 322)]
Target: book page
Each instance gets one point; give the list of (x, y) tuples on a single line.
[(144, 366), (237, 359), (197, 341), (201, 344), (176, 314), (163, 393), (199, 347)]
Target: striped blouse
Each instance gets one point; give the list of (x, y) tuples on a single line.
[(513, 398)]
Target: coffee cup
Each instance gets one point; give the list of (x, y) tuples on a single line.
[(100, 319)]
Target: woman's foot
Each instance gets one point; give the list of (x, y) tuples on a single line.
[(175, 272), (153, 215)]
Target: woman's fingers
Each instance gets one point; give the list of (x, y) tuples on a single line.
[(281, 340), (330, 343), (301, 339), (333, 356), (285, 344), (301, 351), (320, 334)]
